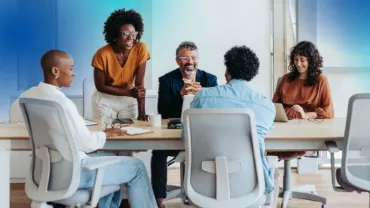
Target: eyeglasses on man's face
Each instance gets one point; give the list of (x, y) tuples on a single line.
[(126, 34), (187, 58)]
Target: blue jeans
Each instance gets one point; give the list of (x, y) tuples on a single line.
[(130, 171)]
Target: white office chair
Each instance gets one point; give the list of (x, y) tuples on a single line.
[(15, 114), (172, 190), (223, 159), (88, 89), (352, 176), (307, 192), (55, 167)]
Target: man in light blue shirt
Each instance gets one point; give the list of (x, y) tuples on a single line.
[(241, 67)]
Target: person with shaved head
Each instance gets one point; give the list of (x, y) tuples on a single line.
[(58, 73)]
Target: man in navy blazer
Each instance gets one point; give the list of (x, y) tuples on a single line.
[(187, 79)]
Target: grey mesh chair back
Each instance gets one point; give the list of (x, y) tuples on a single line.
[(357, 139), (223, 161), (55, 165)]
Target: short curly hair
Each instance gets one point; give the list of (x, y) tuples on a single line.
[(241, 63), (309, 50), (121, 17), (187, 45)]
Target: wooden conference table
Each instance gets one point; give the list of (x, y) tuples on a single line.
[(291, 136)]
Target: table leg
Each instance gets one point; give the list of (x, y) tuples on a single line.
[(5, 173)]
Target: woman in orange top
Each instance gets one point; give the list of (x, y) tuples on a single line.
[(304, 92), (118, 64)]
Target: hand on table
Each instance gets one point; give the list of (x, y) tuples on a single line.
[(112, 132)]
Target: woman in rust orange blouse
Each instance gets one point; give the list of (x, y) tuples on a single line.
[(305, 92)]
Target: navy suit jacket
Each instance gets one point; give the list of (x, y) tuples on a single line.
[(170, 84)]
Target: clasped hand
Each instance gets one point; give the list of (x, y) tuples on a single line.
[(190, 87)]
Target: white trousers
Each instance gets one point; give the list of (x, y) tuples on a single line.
[(118, 106)]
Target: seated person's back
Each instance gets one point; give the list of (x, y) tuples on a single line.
[(58, 72), (237, 94), (242, 66)]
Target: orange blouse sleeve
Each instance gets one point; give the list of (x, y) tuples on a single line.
[(143, 55), (98, 61), (276, 98), (325, 109)]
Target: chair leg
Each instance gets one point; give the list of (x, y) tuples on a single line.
[(286, 191), (308, 188), (182, 173), (309, 196), (176, 191), (287, 195), (184, 197), (35, 204), (307, 192)]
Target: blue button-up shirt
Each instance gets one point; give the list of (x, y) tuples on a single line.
[(238, 94)]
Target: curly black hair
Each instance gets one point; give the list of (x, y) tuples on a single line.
[(121, 17), (241, 63), (309, 50)]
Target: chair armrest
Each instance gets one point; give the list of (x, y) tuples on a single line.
[(101, 163), (332, 146)]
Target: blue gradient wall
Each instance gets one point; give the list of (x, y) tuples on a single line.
[(341, 30), (30, 28)]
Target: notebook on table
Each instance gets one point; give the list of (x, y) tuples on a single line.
[(135, 131)]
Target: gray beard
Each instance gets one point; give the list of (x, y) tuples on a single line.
[(189, 73)]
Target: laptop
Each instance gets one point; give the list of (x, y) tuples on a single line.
[(280, 115)]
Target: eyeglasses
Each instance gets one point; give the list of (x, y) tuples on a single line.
[(316, 120), (187, 58), (125, 34)]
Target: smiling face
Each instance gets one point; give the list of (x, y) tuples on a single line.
[(301, 63), (126, 36), (64, 71), (187, 61)]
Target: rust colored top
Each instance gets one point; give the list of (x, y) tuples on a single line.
[(315, 98)]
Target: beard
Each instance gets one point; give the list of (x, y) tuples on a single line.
[(188, 72)]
